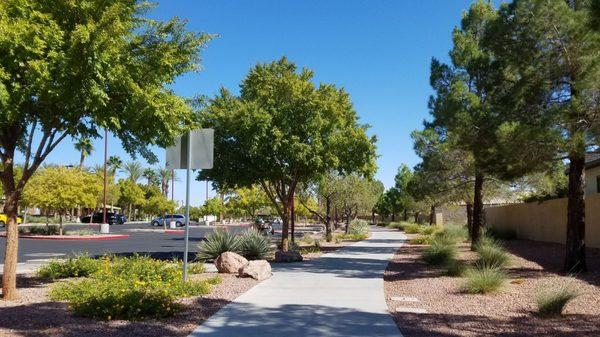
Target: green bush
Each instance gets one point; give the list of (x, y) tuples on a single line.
[(501, 234), (78, 266), (255, 246), (401, 225), (483, 280), (421, 240), (40, 230), (196, 268), (218, 242), (439, 252), (412, 229), (429, 230), (350, 237), (129, 288), (310, 250), (491, 256), (552, 302), (358, 227), (81, 232), (454, 233), (454, 267)]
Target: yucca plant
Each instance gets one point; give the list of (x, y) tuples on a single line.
[(218, 242), (255, 246), (483, 280), (552, 302)]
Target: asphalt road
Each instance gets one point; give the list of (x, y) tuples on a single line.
[(154, 243)]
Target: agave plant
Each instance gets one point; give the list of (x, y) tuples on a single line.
[(218, 242), (255, 246)]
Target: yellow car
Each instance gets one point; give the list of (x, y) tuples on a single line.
[(4, 219)]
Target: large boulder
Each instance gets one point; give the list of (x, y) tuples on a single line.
[(258, 270), (289, 256), (230, 262)]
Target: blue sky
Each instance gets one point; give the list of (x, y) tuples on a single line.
[(378, 50)]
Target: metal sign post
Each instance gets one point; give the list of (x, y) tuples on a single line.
[(192, 151)]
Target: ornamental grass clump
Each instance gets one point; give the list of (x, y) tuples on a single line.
[(491, 255), (412, 229), (483, 280), (255, 246), (439, 252), (454, 233), (218, 242), (78, 266), (359, 227), (130, 288), (552, 302)]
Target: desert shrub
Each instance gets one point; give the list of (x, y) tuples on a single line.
[(401, 225), (491, 255), (421, 240), (358, 227), (439, 252), (454, 233), (308, 239), (483, 280), (40, 230), (412, 229), (129, 288), (501, 234), (350, 237), (552, 302), (255, 246), (81, 232), (218, 242), (78, 266), (309, 250), (196, 268), (454, 267), (429, 230)]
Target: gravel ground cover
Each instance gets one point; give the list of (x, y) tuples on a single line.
[(34, 315), (510, 312)]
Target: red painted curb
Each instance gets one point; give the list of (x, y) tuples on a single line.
[(174, 231), (73, 237)]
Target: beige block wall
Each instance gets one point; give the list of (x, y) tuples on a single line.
[(591, 185), (546, 221)]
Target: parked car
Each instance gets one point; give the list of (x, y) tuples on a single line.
[(4, 219), (160, 221), (111, 218)]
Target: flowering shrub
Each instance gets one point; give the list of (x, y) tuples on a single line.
[(129, 288), (79, 266)]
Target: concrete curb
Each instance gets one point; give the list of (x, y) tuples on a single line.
[(100, 237)]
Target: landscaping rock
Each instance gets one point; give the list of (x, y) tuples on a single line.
[(289, 256), (259, 270), (230, 262)]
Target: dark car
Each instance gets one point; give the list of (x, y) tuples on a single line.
[(111, 218), (166, 220)]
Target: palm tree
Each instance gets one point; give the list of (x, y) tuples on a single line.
[(114, 163), (85, 146), (133, 170), (151, 175), (165, 178)]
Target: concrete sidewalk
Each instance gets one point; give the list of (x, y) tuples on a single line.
[(339, 294)]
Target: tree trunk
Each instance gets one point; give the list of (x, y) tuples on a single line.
[(470, 218), (60, 227), (328, 231), (293, 218), (432, 215), (393, 217), (405, 215), (9, 276), (575, 244), (347, 223), (417, 216), (477, 211), (373, 218)]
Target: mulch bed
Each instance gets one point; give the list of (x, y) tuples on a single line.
[(34, 315), (534, 267)]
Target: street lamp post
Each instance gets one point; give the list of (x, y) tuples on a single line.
[(105, 180)]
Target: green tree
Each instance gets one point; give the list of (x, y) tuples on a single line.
[(85, 146), (61, 189), (248, 201), (324, 191), (356, 196), (212, 206), (70, 68), (159, 204), (470, 115), (151, 176), (113, 164), (283, 130), (130, 196), (554, 52)]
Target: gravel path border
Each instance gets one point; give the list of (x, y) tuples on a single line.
[(510, 312)]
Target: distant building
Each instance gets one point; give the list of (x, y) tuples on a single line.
[(592, 173)]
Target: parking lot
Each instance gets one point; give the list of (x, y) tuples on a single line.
[(143, 239)]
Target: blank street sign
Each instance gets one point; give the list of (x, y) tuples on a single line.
[(202, 143)]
